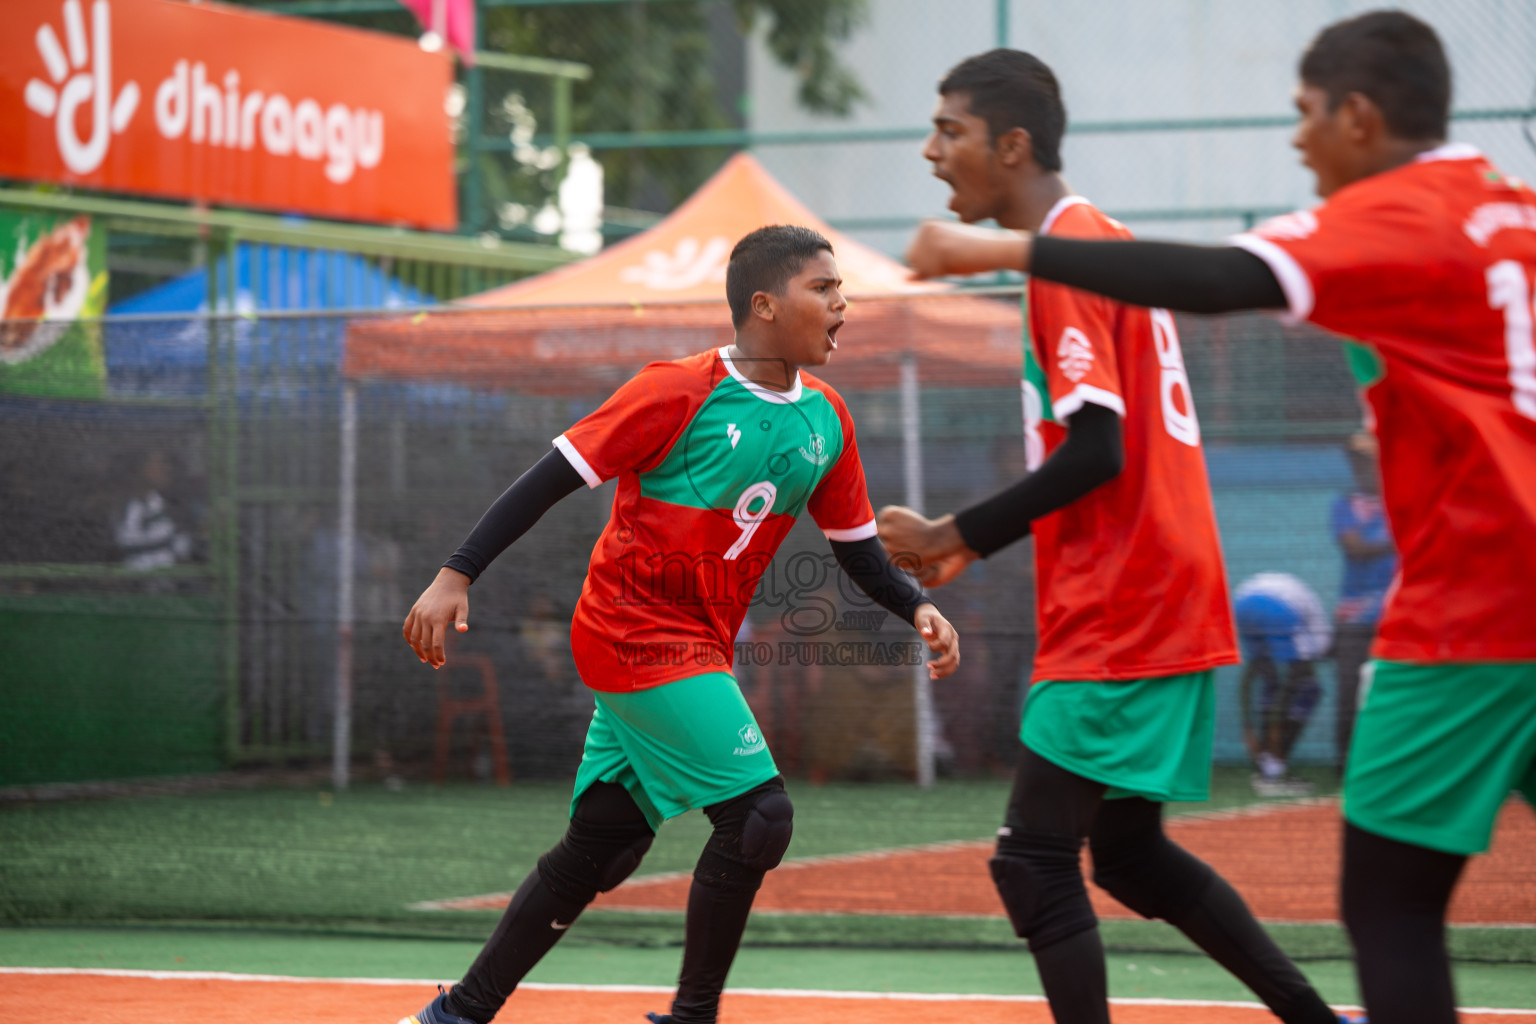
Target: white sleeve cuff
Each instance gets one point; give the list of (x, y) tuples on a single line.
[(1086, 394), (854, 533), (1293, 280), (578, 463)]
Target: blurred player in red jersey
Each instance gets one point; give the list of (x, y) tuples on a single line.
[(716, 455), (1425, 254), (1132, 594)]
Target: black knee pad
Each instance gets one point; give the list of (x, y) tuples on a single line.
[(1040, 881), (604, 844), (1151, 875), (751, 836), (768, 829)]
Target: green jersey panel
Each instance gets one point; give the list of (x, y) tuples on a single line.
[(738, 440)]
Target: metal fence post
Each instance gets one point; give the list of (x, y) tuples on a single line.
[(472, 212), (912, 473), (346, 534), (224, 439)]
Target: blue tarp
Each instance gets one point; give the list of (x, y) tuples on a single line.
[(272, 354), (271, 277)]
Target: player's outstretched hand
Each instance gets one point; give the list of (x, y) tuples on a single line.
[(939, 571), (930, 549), (942, 248), (426, 627), (941, 639)]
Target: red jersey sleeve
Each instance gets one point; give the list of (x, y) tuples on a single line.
[(840, 503), (1362, 260), (634, 428), (1074, 335)]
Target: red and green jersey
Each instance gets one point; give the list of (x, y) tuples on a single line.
[(1130, 577), (713, 470), (1432, 267)]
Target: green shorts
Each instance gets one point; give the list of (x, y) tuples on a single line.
[(1437, 748), (1141, 737), (676, 747)]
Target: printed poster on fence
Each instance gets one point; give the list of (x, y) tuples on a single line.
[(53, 272)]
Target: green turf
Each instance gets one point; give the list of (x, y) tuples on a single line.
[(1001, 972), (289, 855), (351, 863)]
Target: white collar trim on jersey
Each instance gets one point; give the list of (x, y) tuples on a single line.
[(1061, 207), (1449, 151), (766, 394)]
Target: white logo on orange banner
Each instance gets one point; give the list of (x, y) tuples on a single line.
[(91, 82)]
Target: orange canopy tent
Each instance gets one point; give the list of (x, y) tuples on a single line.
[(661, 295)]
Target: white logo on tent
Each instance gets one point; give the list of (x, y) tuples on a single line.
[(90, 83), (687, 266)]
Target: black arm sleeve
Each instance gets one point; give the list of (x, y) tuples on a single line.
[(1189, 278), (1092, 454), (867, 564), (514, 513)]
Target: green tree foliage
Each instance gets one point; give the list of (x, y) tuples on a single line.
[(657, 66), (655, 69), (801, 38)]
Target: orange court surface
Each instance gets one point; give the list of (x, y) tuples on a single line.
[(167, 998), (1283, 858)]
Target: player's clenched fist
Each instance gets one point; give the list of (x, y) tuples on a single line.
[(426, 627), (942, 248), (941, 639), (930, 549)]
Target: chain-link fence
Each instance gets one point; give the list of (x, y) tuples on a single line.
[(169, 567)]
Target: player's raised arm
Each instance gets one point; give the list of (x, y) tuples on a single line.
[(944, 248), (1171, 275), (510, 516)]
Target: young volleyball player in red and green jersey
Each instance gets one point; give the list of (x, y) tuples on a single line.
[(715, 456), (1425, 255), (1133, 612)]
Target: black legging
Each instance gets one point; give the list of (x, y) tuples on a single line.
[(1140, 866), (1395, 896), (607, 835)]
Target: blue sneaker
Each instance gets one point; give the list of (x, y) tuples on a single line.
[(1354, 1018), (436, 1013), (659, 1018)]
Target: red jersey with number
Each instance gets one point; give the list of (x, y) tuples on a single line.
[(1432, 265), (1130, 577), (713, 470)]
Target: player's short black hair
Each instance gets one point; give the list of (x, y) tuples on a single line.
[(1013, 89), (764, 261), (1393, 59)]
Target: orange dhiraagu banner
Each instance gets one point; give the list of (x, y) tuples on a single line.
[(224, 105)]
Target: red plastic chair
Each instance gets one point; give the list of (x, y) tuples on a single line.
[(451, 708)]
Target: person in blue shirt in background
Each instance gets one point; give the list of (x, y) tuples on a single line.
[(1284, 631), (1359, 526)]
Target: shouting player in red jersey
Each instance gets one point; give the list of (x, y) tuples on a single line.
[(716, 455), (1133, 609), (1425, 254)]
